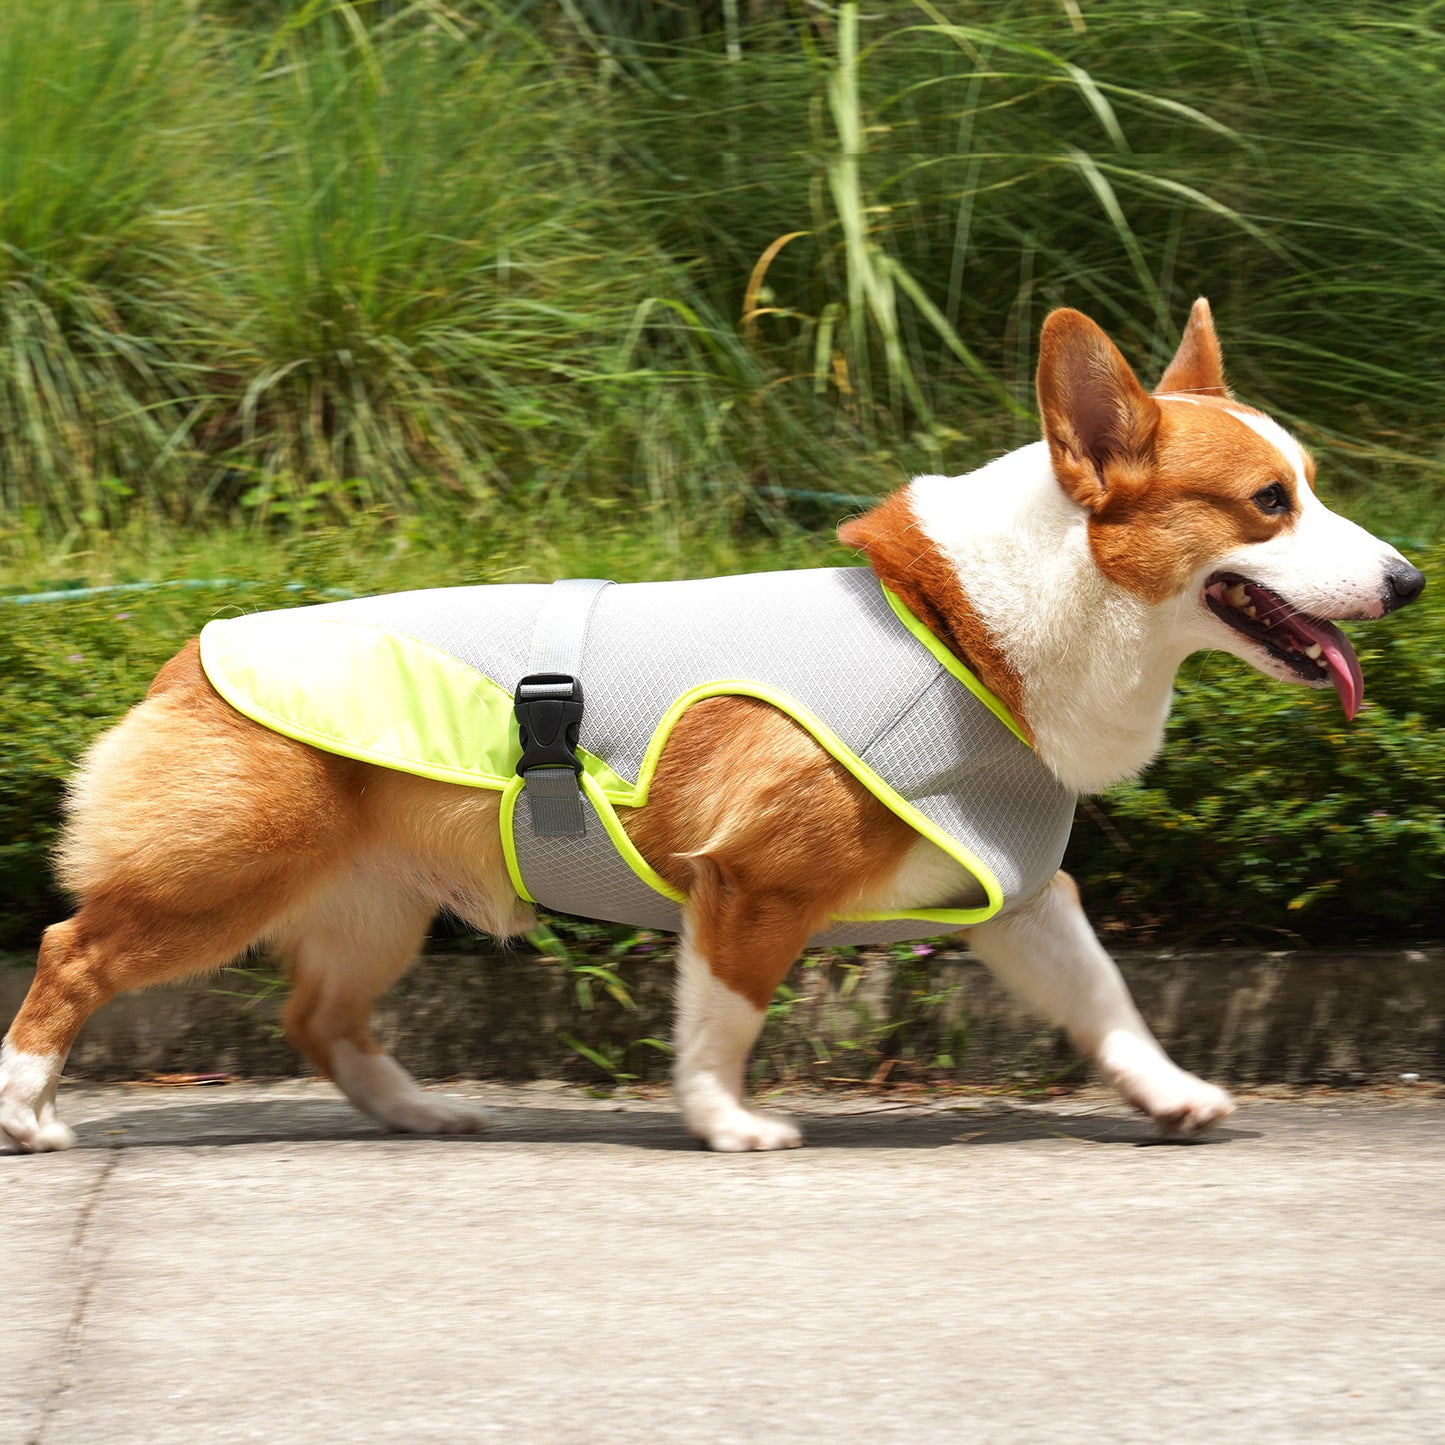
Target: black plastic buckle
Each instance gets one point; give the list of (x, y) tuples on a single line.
[(549, 721)]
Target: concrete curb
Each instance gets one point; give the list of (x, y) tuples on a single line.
[(1239, 1017)]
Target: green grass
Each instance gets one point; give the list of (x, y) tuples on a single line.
[(414, 284)]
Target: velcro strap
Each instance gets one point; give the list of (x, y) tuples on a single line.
[(555, 802)]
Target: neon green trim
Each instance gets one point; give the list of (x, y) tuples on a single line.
[(509, 841), (834, 745), (623, 795), (950, 917), (610, 822), (612, 784), (624, 845), (954, 666)]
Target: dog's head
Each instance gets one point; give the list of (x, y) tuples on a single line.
[(1200, 504)]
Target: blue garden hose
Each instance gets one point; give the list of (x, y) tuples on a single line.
[(72, 594)]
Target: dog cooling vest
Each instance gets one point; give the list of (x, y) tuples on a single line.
[(423, 682)]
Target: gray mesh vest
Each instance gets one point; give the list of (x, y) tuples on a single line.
[(826, 645)]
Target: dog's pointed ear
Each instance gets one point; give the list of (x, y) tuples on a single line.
[(1198, 367), (1099, 422)]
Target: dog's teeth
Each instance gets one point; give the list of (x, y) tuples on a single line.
[(1313, 651), (1236, 596), (1250, 612)]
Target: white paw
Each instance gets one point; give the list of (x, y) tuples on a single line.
[(27, 1103), (1178, 1103), (739, 1131), (379, 1086), (423, 1113), (22, 1131), (1191, 1108)]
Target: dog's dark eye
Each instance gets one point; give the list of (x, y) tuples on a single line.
[(1272, 499)]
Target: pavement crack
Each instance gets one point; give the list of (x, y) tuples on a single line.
[(75, 1331)]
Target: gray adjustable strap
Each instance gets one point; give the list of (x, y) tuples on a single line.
[(560, 632), (554, 801), (554, 669)]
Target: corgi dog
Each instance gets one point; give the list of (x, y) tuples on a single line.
[(1071, 577)]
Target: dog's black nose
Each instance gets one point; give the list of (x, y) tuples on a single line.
[(1405, 584)]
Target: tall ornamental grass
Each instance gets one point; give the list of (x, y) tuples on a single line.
[(738, 260), (925, 179), (413, 289), (96, 389)]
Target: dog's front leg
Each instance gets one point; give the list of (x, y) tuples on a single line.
[(716, 1030), (735, 949), (1046, 953)]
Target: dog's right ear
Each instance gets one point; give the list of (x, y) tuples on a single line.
[(1098, 420)]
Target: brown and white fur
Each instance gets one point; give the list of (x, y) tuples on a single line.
[(1074, 576)]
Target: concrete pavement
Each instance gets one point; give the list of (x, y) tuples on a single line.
[(258, 1263)]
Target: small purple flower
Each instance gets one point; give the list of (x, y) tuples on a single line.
[(922, 950), (76, 657)]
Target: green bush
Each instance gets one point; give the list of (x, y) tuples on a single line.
[(684, 277), (69, 667)]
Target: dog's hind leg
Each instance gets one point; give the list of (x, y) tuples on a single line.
[(347, 944), (61, 998), (190, 829), (1046, 952), (112, 944)]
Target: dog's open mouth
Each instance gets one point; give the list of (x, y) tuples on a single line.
[(1316, 651)]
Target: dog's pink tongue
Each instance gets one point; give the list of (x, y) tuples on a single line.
[(1340, 658)]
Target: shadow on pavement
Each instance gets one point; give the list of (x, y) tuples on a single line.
[(218, 1123)]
